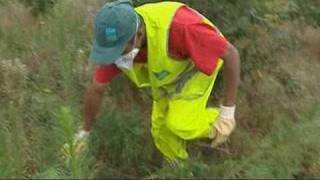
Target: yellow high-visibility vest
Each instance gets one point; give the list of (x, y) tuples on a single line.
[(161, 70)]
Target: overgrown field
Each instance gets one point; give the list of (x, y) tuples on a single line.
[(44, 71)]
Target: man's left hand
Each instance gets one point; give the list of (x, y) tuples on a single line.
[(224, 126)]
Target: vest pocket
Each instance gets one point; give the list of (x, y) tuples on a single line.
[(192, 87)]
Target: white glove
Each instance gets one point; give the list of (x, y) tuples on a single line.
[(80, 141), (224, 126), (81, 136)]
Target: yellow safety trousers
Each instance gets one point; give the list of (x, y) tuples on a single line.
[(175, 120)]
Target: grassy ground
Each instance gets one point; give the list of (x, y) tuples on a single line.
[(44, 71)]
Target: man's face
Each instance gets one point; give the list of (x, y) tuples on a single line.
[(136, 42), (129, 47)]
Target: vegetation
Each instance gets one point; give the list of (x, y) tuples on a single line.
[(44, 47)]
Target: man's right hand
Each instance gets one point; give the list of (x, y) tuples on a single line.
[(92, 103), (80, 144), (80, 141)]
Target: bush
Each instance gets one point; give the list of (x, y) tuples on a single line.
[(39, 7)]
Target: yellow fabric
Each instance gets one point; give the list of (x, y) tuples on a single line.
[(181, 118), (138, 74), (162, 68), (180, 92)]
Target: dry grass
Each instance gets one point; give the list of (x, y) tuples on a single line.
[(15, 14), (310, 37)]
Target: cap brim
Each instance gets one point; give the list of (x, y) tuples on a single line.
[(105, 56)]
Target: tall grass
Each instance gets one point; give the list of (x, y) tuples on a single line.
[(289, 151), (66, 120), (44, 71)]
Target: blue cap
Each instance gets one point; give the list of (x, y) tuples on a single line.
[(115, 25)]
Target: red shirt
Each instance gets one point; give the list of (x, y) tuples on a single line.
[(189, 37)]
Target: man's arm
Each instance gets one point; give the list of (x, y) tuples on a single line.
[(226, 122), (231, 74), (92, 103)]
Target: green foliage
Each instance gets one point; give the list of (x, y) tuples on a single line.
[(39, 7), (44, 71), (275, 156), (74, 161), (127, 143), (305, 12), (66, 120)]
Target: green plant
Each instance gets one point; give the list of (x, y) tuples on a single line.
[(122, 138), (39, 7), (66, 120)]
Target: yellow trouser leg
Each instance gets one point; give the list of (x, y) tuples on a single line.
[(183, 118), (190, 120), (166, 141)]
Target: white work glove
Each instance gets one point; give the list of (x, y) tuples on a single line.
[(224, 125), (80, 142)]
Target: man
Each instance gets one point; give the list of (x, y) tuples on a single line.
[(174, 51)]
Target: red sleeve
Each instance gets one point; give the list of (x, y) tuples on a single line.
[(191, 37), (104, 74), (205, 46)]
